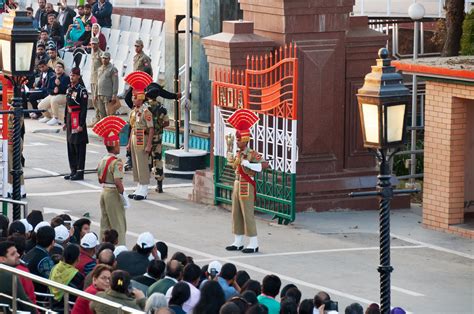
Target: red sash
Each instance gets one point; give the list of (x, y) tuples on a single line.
[(107, 164), (249, 180)]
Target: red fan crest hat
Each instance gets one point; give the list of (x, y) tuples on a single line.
[(242, 120), (138, 80), (109, 128)]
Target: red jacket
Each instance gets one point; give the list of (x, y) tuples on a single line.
[(82, 305), (86, 263), (27, 284)]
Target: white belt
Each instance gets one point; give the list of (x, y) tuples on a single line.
[(108, 185)]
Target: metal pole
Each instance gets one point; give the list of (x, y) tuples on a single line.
[(187, 64), (176, 78), (66, 302), (414, 105), (384, 188), (422, 38), (362, 9), (5, 175), (16, 169), (14, 293)]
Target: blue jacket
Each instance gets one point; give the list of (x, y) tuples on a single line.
[(103, 14), (64, 82), (50, 76)]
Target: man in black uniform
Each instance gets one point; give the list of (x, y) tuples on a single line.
[(75, 125)]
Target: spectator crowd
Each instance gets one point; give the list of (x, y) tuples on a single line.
[(143, 278)]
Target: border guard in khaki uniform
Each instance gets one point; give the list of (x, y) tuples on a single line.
[(96, 55), (110, 173), (246, 163), (107, 85), (141, 137)]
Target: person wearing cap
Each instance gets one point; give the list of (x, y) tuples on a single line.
[(53, 55), (142, 131), (110, 174), (57, 88), (87, 261), (96, 55), (160, 122), (60, 240), (246, 164), (135, 262), (141, 62), (107, 85), (40, 55), (46, 74), (75, 126)]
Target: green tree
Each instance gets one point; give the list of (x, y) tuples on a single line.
[(467, 39), (454, 18)]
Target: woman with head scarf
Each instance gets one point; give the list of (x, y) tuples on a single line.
[(74, 32), (96, 32)]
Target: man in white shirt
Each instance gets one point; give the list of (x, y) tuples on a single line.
[(191, 275)]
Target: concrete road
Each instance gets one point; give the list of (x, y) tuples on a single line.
[(334, 251)]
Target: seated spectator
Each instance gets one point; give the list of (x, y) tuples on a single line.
[(10, 257), (66, 273), (320, 299), (87, 262), (100, 282), (35, 217), (41, 17), (155, 302), (96, 32), (66, 15), (61, 240), (270, 287), (53, 55), (253, 285), (74, 32), (56, 98), (55, 31), (355, 308), (135, 262), (212, 298), (180, 257), (110, 236), (179, 295), (44, 37), (81, 227), (40, 55), (50, 9), (38, 260), (241, 277), (56, 221), (257, 309), (118, 292), (373, 309), (293, 293), (230, 308), (306, 307), (30, 13), (27, 283), (88, 17), (191, 274), (397, 310), (174, 271), (288, 306), (155, 270), (226, 279), (250, 297), (241, 303), (104, 257), (210, 272), (102, 10), (162, 248), (17, 228)]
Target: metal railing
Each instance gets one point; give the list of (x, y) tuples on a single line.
[(23, 204), (66, 289)]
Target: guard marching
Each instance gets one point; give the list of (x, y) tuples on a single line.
[(142, 130), (160, 121), (75, 124), (246, 163), (110, 174)]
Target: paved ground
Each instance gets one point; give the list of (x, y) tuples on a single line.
[(333, 251)]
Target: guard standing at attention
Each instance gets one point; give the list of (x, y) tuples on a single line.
[(75, 125), (246, 163), (160, 121), (142, 130), (110, 172)]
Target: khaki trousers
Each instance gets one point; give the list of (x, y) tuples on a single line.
[(141, 169), (94, 102), (52, 103), (101, 104), (112, 214), (243, 218)]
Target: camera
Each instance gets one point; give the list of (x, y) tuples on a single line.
[(330, 305)]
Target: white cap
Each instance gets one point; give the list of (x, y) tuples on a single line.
[(89, 241), (119, 249), (145, 240), (28, 226), (62, 234), (216, 265), (41, 224)]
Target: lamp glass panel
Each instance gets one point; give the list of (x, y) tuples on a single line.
[(395, 120), (6, 56), (23, 53), (371, 122)]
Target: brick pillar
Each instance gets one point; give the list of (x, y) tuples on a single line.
[(444, 158)]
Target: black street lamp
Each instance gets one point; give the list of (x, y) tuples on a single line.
[(18, 44), (382, 106)]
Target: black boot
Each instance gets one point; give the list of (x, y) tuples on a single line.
[(69, 176), (78, 176), (128, 164), (159, 186)]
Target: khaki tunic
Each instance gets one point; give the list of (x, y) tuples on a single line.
[(141, 62), (107, 81), (140, 121), (111, 206), (243, 200), (52, 63)]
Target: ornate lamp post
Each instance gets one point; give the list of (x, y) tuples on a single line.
[(18, 43), (382, 106)]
